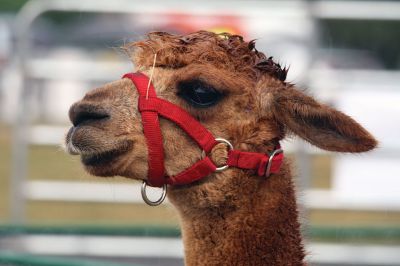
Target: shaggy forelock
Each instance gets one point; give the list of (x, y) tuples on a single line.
[(225, 51)]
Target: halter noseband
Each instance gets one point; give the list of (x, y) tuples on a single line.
[(150, 107)]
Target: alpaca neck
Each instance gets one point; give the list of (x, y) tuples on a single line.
[(260, 228)]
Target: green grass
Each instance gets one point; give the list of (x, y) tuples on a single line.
[(22, 259), (5, 162)]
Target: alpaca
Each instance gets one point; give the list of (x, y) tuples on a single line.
[(240, 215)]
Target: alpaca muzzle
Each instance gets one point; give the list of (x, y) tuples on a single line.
[(151, 107)]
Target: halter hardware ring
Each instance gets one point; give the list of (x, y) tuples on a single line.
[(150, 202), (230, 146), (271, 157)]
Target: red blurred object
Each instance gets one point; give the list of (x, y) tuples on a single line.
[(186, 23)]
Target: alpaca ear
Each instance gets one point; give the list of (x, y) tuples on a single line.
[(321, 125)]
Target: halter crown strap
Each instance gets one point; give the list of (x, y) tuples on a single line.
[(151, 107)]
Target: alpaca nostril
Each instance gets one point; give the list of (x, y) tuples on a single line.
[(81, 113)]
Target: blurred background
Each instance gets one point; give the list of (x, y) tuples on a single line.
[(346, 53)]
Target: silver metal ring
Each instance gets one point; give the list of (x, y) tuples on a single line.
[(271, 157), (230, 146), (148, 201)]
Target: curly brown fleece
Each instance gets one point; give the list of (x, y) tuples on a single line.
[(222, 50)]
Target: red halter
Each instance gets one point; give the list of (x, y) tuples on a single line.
[(150, 107)]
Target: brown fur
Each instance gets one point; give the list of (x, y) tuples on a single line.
[(234, 217)]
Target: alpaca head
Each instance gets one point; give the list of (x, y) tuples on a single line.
[(235, 91)]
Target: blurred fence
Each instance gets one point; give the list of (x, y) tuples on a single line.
[(293, 18), (287, 29)]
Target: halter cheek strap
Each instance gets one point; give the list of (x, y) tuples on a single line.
[(151, 107)]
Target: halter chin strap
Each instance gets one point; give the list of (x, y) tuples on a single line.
[(151, 107)]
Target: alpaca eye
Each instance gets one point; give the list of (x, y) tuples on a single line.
[(198, 93)]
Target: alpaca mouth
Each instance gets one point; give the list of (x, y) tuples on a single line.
[(101, 158), (95, 150)]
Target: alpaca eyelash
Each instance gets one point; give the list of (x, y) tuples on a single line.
[(198, 93)]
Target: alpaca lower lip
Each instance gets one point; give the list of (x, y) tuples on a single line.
[(99, 158), (104, 157)]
